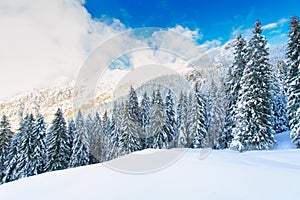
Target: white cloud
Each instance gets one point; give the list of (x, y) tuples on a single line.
[(270, 26), (45, 41), (192, 34), (274, 25)]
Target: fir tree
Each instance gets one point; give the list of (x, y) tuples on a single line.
[(293, 54), (279, 102), (113, 141), (71, 133), (157, 124), (198, 120), (145, 117), (254, 127), (184, 108), (129, 136), (58, 150), (13, 154), (170, 117), (25, 166), (6, 136), (39, 146), (134, 110), (96, 143), (80, 150), (233, 87), (90, 128)]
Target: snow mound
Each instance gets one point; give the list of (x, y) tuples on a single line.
[(222, 174)]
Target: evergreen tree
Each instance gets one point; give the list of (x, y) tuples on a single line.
[(96, 144), (145, 117), (90, 127), (129, 137), (134, 110), (6, 136), (178, 119), (293, 54), (13, 154), (25, 166), (58, 150), (184, 108), (254, 127), (71, 133), (170, 117), (233, 87), (279, 102), (80, 150), (113, 141), (157, 124), (39, 146), (198, 120)]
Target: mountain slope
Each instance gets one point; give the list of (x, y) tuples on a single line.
[(221, 175)]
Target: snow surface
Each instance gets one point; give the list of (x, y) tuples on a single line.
[(222, 174)]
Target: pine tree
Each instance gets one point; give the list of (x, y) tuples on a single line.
[(198, 120), (39, 146), (170, 118), (293, 54), (184, 108), (71, 133), (25, 166), (233, 87), (58, 150), (134, 110), (80, 150), (129, 137), (113, 142), (13, 154), (254, 127), (6, 136), (157, 123), (145, 117), (90, 127), (279, 102), (96, 142)]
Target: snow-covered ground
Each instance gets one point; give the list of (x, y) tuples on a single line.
[(221, 175)]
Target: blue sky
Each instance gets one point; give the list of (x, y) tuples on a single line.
[(215, 19)]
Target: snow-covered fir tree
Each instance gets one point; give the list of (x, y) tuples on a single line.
[(71, 132), (145, 118), (198, 120), (39, 145), (6, 136), (25, 166), (80, 150), (279, 101), (106, 121), (13, 154), (293, 54), (58, 150), (129, 136), (113, 139), (96, 144), (90, 128), (217, 113), (254, 122), (171, 128), (134, 109), (157, 123), (233, 86), (183, 110)]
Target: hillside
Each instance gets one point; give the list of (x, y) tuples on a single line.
[(221, 175)]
